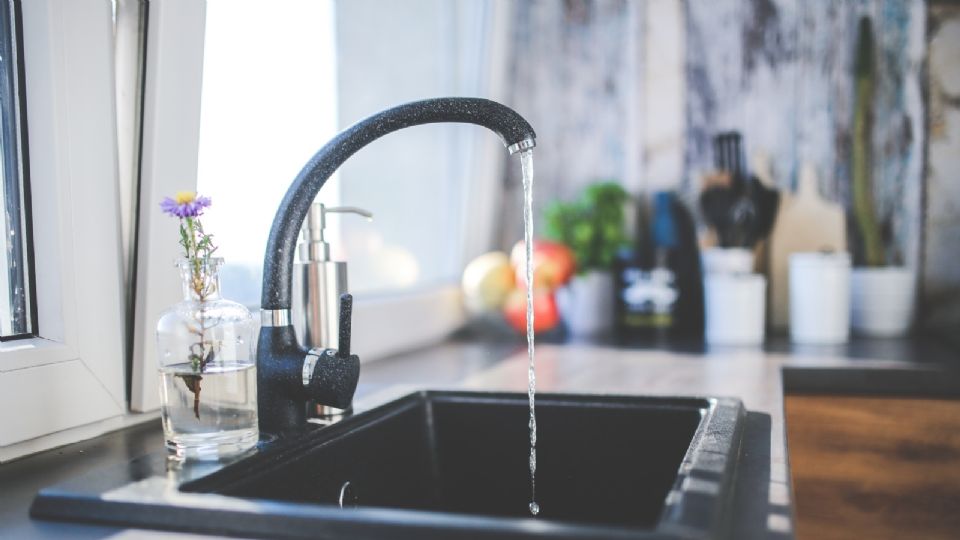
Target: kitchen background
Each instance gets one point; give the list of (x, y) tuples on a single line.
[(634, 91), (631, 92)]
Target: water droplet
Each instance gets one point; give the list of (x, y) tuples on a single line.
[(534, 508)]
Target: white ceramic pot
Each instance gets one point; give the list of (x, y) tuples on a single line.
[(586, 304), (819, 297), (735, 308), (881, 301)]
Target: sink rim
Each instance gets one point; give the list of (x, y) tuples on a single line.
[(696, 505)]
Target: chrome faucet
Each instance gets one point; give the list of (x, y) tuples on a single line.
[(287, 374)]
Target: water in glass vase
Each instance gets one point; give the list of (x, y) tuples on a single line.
[(218, 421), (208, 392)]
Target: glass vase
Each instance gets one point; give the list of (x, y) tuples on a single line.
[(208, 373)]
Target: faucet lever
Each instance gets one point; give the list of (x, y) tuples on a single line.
[(346, 311)]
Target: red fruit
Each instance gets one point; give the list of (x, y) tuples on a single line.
[(553, 264), (546, 316)]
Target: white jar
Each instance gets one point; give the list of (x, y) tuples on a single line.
[(735, 306), (819, 297)]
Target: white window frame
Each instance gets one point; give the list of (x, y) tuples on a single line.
[(68, 382), (173, 76)]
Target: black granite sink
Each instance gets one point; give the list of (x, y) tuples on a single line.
[(454, 464)]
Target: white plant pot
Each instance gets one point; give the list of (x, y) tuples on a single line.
[(881, 301), (586, 304)]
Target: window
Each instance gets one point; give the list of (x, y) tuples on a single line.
[(242, 96), (66, 382), (16, 298), (267, 105)]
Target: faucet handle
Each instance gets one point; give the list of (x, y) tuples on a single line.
[(346, 312), (330, 376), (330, 379)]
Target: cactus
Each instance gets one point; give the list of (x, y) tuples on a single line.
[(863, 201)]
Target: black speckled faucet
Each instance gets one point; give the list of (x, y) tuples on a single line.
[(288, 374)]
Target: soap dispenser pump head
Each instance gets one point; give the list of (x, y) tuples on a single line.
[(315, 247)]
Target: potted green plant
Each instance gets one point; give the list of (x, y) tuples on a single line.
[(593, 228), (881, 291)]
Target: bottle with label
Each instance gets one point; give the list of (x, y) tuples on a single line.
[(644, 282), (658, 289)]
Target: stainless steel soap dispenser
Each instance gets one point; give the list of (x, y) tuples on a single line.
[(319, 281), (317, 284)]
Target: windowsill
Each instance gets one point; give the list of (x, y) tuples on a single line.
[(32, 352)]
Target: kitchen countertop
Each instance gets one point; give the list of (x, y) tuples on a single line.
[(758, 377)]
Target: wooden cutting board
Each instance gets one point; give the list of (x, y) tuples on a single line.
[(805, 222)]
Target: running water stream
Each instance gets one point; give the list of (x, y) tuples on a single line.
[(526, 162)]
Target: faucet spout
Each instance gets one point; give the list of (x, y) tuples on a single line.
[(515, 132), (280, 359)]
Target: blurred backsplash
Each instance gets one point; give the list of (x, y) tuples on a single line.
[(635, 91)]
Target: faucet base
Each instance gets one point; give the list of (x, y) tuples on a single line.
[(282, 395)]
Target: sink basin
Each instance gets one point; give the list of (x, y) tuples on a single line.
[(454, 464)]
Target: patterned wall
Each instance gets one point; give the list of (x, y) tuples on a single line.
[(573, 79), (941, 273), (780, 71)]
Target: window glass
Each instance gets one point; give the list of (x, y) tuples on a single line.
[(279, 83), (16, 313), (268, 104), (412, 181)]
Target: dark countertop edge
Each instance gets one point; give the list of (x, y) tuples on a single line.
[(915, 382)]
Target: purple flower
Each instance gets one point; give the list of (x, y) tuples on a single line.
[(185, 204)]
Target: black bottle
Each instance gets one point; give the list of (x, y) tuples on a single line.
[(658, 287)]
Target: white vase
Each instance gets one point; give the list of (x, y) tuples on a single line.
[(586, 304), (881, 301)]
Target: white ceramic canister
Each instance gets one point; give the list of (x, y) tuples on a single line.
[(735, 308), (819, 297)]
